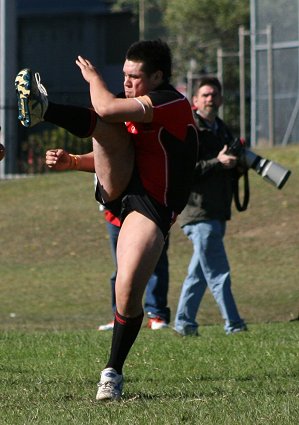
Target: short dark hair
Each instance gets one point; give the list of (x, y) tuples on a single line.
[(208, 80), (155, 55)]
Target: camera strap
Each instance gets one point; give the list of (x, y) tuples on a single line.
[(246, 191)]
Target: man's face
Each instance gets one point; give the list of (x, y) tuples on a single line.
[(136, 82), (207, 101)]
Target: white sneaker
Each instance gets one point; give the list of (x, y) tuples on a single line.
[(32, 98), (108, 327), (110, 385)]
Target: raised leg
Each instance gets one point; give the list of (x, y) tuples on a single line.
[(114, 158)]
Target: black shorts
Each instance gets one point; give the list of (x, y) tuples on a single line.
[(135, 198)]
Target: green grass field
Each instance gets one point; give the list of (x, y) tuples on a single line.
[(55, 266)]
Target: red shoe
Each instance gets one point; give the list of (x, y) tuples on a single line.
[(156, 323)]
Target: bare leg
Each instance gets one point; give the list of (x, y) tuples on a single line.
[(139, 247), (114, 158)]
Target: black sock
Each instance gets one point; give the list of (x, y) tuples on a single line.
[(75, 119), (124, 334)]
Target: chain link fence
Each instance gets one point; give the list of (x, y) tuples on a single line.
[(274, 72)]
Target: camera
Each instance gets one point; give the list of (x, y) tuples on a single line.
[(272, 172)]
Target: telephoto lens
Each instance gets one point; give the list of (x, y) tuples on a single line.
[(272, 172)]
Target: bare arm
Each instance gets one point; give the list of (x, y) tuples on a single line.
[(107, 106), (60, 160)]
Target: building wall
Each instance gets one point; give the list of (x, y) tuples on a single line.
[(50, 36), (50, 45)]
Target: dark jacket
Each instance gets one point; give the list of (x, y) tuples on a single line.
[(212, 190)]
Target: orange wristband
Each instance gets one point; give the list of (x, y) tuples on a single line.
[(74, 162)]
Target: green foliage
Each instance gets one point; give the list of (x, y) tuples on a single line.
[(194, 29), (33, 149), (197, 28), (153, 15), (132, 5)]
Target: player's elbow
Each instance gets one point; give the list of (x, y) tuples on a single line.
[(105, 112)]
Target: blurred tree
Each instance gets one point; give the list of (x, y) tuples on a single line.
[(150, 15), (195, 29)]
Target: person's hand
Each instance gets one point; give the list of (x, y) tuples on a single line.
[(227, 161), (58, 159), (88, 70)]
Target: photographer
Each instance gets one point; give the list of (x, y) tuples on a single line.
[(204, 218)]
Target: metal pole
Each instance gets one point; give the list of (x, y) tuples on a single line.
[(270, 86), (141, 19), (253, 72), (189, 84), (242, 81), (291, 124), (8, 112), (220, 75), (2, 80), (190, 77)]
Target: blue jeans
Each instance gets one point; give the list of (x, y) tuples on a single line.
[(208, 267), (155, 303)]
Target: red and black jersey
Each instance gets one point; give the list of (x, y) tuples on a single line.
[(166, 148)]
